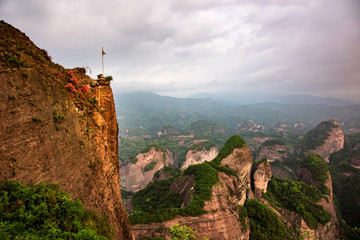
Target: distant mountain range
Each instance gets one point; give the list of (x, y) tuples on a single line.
[(149, 112), (240, 98)]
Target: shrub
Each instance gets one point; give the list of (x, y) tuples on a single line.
[(35, 119), (298, 197), (317, 166), (108, 78), (157, 147), (264, 222), (58, 116), (25, 74), (44, 212), (133, 160), (150, 166), (183, 233)]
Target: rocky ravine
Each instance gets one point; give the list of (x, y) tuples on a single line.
[(221, 221), (58, 135), (135, 176)]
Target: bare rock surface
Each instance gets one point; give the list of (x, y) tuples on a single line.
[(333, 143), (222, 219), (196, 157), (262, 176), (135, 176)]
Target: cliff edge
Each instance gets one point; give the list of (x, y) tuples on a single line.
[(56, 128)]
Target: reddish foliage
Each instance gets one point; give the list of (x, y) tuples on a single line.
[(74, 80), (70, 87), (70, 72), (84, 89)]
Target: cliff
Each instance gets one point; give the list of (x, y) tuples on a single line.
[(199, 156), (324, 140), (221, 219), (314, 171), (262, 176), (58, 129), (135, 175)]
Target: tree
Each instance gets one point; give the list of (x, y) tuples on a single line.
[(184, 233)]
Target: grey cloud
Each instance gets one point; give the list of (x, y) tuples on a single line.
[(184, 46)]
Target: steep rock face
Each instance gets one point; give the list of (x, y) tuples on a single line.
[(262, 176), (240, 160), (195, 157), (134, 177), (184, 185), (51, 134), (331, 230), (333, 142), (222, 219), (273, 153)]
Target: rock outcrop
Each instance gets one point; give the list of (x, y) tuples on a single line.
[(199, 156), (222, 218), (331, 230), (262, 176), (333, 139), (135, 176), (58, 129)]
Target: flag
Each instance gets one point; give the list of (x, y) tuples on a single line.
[(103, 52)]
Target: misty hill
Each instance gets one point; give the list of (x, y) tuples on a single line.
[(148, 112), (281, 99)]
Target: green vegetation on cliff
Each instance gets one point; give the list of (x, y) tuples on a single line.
[(156, 203), (234, 142), (156, 196), (298, 197), (317, 136), (201, 146), (264, 222), (205, 177), (317, 166), (346, 179), (44, 212)]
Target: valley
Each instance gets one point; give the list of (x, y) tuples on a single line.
[(187, 133)]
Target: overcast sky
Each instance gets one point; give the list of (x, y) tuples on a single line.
[(183, 47)]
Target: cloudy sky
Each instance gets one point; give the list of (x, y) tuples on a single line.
[(183, 47)]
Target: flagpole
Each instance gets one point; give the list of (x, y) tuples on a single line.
[(102, 57)]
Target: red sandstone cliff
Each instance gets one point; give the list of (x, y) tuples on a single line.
[(135, 176), (199, 156), (222, 219), (53, 134), (333, 143), (262, 176)]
